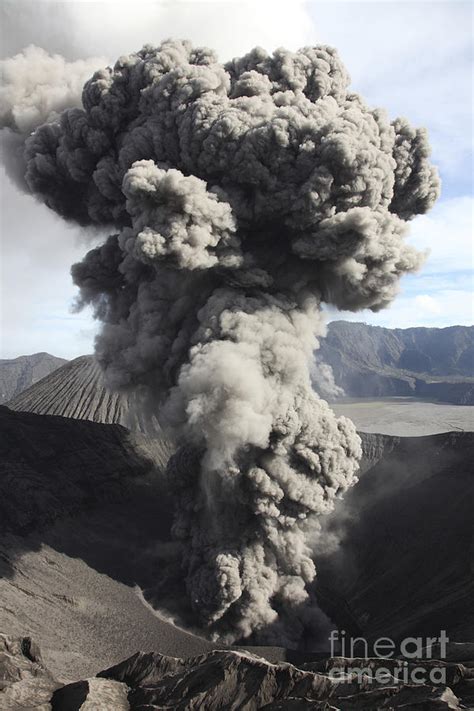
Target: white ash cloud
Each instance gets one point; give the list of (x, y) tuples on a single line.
[(243, 196), (323, 381), (35, 88), (176, 217)]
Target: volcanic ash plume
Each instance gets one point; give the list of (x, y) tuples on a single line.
[(242, 196), (35, 87)]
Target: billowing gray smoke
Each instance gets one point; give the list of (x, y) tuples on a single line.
[(243, 195), (35, 87)]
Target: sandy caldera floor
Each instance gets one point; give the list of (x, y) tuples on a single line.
[(405, 416), (71, 588)]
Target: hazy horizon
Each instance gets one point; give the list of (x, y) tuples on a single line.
[(91, 352)]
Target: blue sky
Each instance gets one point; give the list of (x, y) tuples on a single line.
[(412, 58), (415, 59)]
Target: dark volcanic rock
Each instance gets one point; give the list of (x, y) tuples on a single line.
[(228, 680), (25, 683), (403, 566), (54, 466), (233, 680), (219, 680), (370, 361), (17, 374), (460, 393), (93, 694), (375, 447)]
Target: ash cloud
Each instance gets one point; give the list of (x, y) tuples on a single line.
[(35, 88), (323, 381), (243, 196)]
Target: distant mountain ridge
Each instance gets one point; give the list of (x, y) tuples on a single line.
[(371, 361), (17, 374), (366, 361)]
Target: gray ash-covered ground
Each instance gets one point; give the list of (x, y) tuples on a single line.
[(75, 557), (405, 416)]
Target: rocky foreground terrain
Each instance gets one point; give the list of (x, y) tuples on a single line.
[(370, 361), (228, 680), (85, 538), (17, 374)]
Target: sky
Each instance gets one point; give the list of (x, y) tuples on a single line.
[(414, 58)]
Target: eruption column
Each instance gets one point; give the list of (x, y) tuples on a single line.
[(242, 196)]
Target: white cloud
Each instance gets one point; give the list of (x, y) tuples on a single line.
[(231, 28), (444, 308), (414, 59), (428, 304), (37, 250), (447, 232)]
